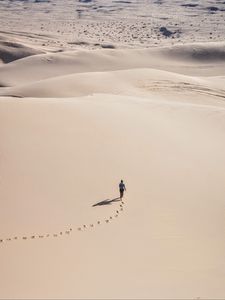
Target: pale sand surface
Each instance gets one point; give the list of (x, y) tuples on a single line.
[(73, 123)]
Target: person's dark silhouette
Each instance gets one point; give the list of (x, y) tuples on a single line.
[(122, 188)]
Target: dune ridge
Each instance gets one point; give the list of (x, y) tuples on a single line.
[(11, 51), (126, 82), (81, 73)]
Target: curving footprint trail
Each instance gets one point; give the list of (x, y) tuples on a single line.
[(67, 232)]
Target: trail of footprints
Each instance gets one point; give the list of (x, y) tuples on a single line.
[(69, 231)]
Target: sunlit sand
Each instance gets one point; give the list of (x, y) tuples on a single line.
[(92, 92)]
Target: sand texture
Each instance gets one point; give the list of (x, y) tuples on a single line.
[(92, 92)]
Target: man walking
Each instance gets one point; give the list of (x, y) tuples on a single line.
[(122, 188)]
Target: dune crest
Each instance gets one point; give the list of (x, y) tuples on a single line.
[(11, 51)]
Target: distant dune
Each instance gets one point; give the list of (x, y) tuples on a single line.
[(10, 51), (197, 57)]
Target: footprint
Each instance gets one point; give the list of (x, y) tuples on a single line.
[(71, 229), (107, 221), (121, 209), (91, 225), (1, 241), (15, 238), (122, 202), (110, 218), (55, 235), (84, 226), (24, 238), (79, 228), (41, 236), (67, 232), (8, 240), (61, 233), (117, 211), (47, 235), (33, 237), (99, 222), (116, 216)]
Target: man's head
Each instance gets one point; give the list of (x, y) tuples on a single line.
[(121, 181)]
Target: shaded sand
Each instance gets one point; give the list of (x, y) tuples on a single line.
[(86, 120), (10, 51)]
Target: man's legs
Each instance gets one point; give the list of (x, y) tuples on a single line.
[(121, 194)]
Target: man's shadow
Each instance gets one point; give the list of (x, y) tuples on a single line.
[(107, 202)]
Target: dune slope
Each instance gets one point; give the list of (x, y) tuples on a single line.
[(84, 121)]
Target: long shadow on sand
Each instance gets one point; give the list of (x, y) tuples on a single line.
[(107, 202)]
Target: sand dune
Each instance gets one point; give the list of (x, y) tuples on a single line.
[(10, 51), (133, 72), (61, 157), (75, 119), (142, 82), (194, 59)]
